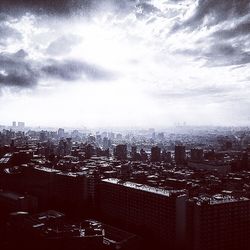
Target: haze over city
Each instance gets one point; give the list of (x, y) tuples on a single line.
[(125, 63)]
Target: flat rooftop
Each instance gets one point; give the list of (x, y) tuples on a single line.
[(45, 169), (143, 187), (217, 199)]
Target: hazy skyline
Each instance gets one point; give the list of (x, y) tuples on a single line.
[(125, 63)]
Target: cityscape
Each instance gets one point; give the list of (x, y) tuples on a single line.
[(182, 188), (125, 124)]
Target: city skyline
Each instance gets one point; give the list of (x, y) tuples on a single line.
[(124, 63)]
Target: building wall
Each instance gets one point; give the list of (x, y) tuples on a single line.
[(219, 226), (148, 213)]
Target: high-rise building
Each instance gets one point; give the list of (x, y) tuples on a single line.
[(21, 124), (180, 154), (120, 152), (60, 132), (133, 153), (14, 124), (155, 154), (218, 222), (153, 212)]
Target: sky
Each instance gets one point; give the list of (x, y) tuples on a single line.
[(129, 63)]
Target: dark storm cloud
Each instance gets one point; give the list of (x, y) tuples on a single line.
[(16, 70), (65, 7), (242, 29), (48, 6), (219, 54), (73, 70), (225, 54), (42, 6), (227, 45), (214, 11)]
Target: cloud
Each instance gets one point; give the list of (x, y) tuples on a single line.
[(17, 71), (70, 70), (212, 12), (225, 54), (241, 29), (6, 32), (144, 9), (63, 44), (38, 6), (208, 91), (62, 6), (218, 54)]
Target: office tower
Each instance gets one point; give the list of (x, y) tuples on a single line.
[(106, 143), (151, 212), (133, 153), (120, 152), (218, 222), (143, 155), (155, 154), (180, 154), (196, 154), (13, 124)]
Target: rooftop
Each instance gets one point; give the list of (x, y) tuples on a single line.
[(217, 199), (142, 187)]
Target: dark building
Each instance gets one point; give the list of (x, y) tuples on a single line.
[(218, 222), (155, 154), (120, 152), (133, 153), (151, 212), (11, 202), (180, 154), (143, 155), (51, 230)]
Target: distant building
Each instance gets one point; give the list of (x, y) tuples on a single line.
[(120, 152), (60, 133), (13, 124), (221, 168), (21, 124), (155, 154), (143, 155), (180, 154), (133, 153)]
